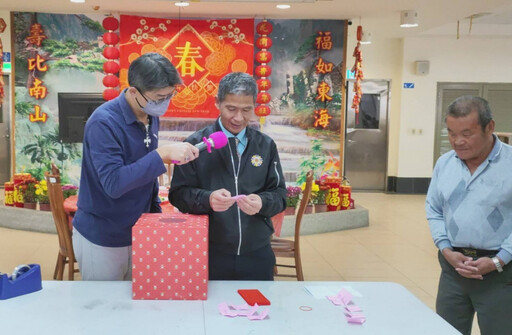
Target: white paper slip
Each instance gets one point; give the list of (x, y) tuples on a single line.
[(321, 291)]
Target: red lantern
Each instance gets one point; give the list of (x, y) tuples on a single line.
[(263, 98), (263, 57), (263, 84), (110, 94), (264, 28), (264, 42), (110, 38), (262, 110), (110, 81), (359, 32), (111, 53), (110, 23), (111, 67), (263, 70)]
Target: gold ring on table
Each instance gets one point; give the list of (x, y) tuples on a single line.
[(306, 308)]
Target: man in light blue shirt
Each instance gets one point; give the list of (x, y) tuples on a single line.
[(469, 209)]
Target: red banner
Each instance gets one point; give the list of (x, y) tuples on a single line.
[(203, 51)]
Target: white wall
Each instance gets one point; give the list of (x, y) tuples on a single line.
[(383, 60), (412, 111), (451, 60)]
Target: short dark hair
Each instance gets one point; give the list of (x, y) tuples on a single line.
[(238, 83), (463, 106), (152, 71)]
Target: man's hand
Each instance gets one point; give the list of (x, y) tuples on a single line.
[(483, 265), (220, 200), (467, 267), (178, 153), (250, 204)]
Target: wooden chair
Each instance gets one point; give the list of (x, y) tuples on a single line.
[(289, 248), (66, 253), (166, 181)]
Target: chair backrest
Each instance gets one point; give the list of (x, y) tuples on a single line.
[(60, 217), (166, 181), (306, 194)]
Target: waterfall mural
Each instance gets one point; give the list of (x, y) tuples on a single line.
[(53, 53), (56, 53)]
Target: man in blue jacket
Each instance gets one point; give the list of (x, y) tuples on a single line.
[(120, 165), (240, 187)]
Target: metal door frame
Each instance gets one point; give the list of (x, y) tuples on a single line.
[(440, 113), (7, 112), (386, 128)]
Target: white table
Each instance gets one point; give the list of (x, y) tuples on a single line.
[(107, 308)]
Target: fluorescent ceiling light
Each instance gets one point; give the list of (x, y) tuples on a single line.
[(182, 4), (77, 1), (283, 6), (408, 19)]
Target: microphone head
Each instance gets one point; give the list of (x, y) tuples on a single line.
[(219, 139)]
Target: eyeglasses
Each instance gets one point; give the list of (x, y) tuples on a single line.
[(167, 97)]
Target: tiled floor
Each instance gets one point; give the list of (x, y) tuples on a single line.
[(397, 247)]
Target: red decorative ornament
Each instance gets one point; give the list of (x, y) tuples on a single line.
[(110, 81), (110, 94), (264, 42), (262, 111), (264, 84), (359, 33), (264, 28), (263, 70), (263, 56), (110, 23), (111, 52), (358, 73), (110, 38), (111, 67), (263, 98)]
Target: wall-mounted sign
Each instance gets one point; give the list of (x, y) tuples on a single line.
[(408, 85)]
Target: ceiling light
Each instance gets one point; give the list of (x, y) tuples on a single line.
[(366, 37), (283, 6), (77, 1), (182, 3), (408, 19)]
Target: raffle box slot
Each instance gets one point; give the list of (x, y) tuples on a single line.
[(170, 257)]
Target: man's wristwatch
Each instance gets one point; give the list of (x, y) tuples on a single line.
[(498, 264)]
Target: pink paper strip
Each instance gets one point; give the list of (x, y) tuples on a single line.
[(353, 308), (260, 316), (358, 321)]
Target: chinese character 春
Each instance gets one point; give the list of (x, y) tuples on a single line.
[(188, 64)]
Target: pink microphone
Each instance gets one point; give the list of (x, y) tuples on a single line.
[(216, 140)]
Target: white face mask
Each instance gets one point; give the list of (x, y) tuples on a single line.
[(157, 109)]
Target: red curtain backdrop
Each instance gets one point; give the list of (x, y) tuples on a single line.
[(203, 51)]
